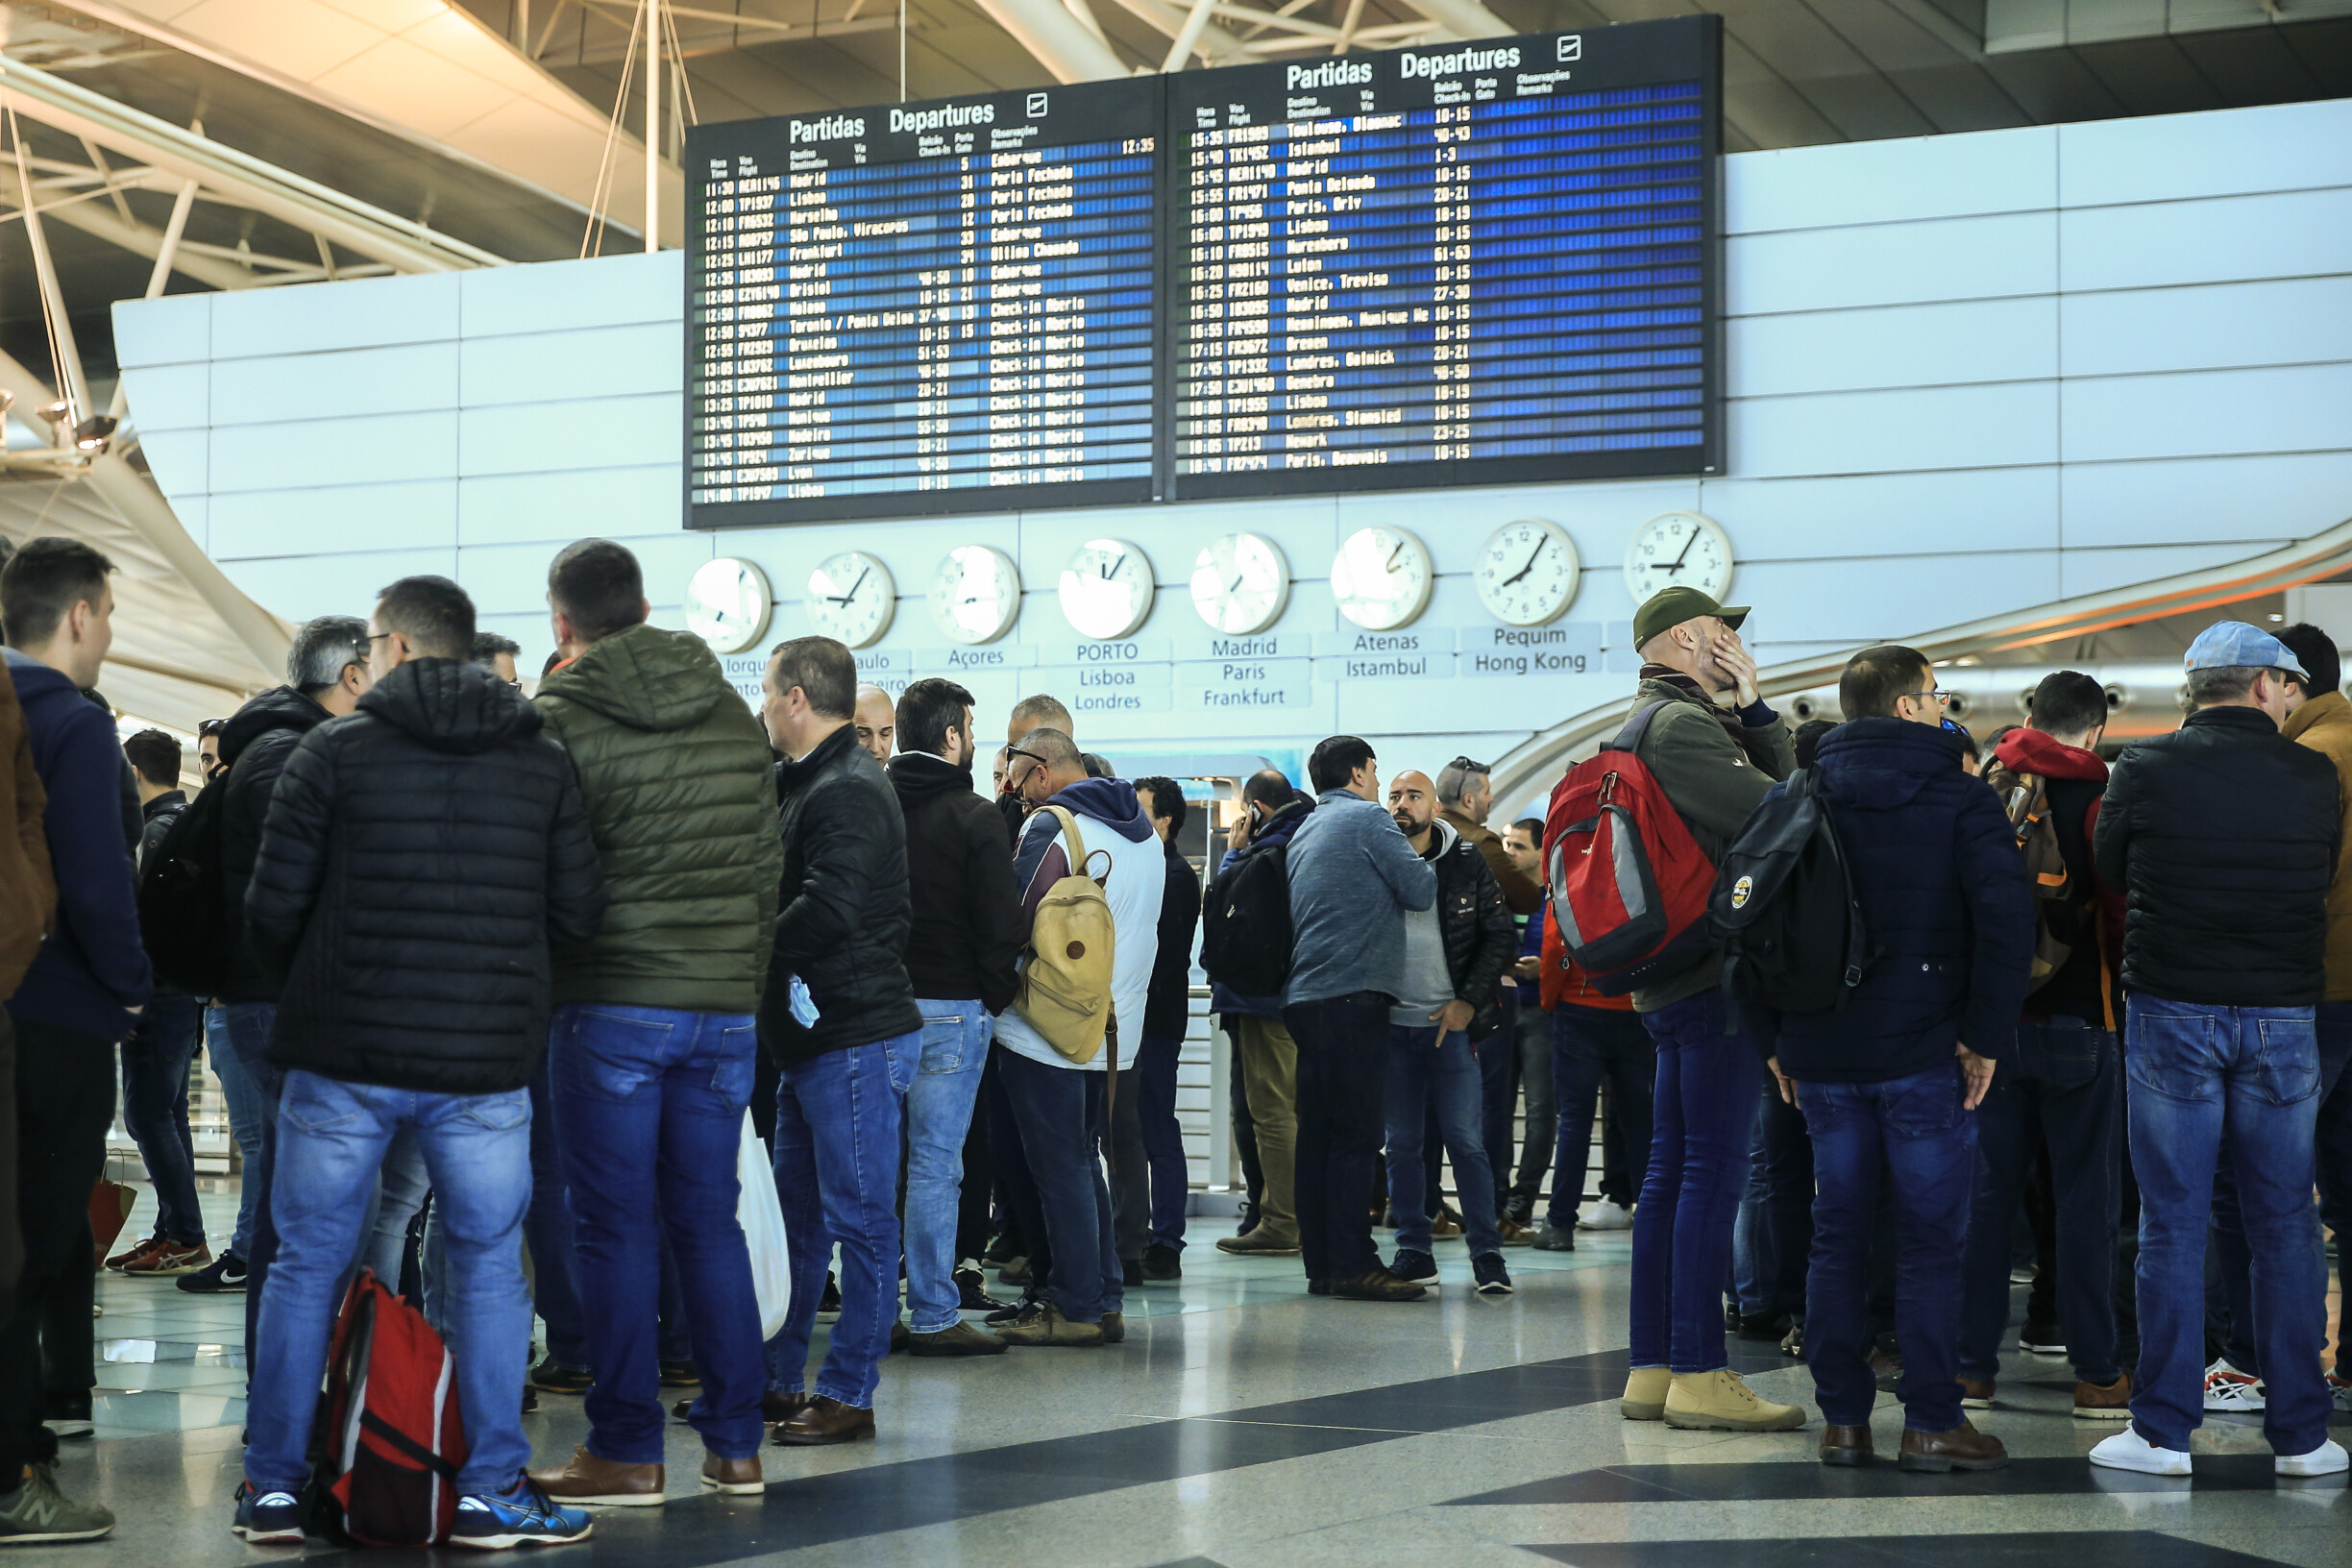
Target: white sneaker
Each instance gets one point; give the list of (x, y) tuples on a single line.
[(2340, 1390), (2230, 1390), (2324, 1461), (2127, 1450), (1603, 1215)]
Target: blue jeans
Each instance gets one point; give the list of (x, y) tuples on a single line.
[(154, 1072), (1704, 1104), (1774, 1234), (938, 1113), (248, 1026), (1498, 1070), (1171, 1176), (1059, 1113), (548, 1231), (2195, 1072), (2064, 1086), (245, 1117), (839, 1118), (1588, 1046), (650, 1103), (1912, 1134), (331, 1137), (402, 1187), (1426, 1074)]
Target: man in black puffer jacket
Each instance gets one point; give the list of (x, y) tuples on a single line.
[(2223, 836), (848, 1044), (420, 856)]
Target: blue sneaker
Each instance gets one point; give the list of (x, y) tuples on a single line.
[(267, 1518), (522, 1517)]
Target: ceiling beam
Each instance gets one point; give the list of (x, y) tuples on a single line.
[(1062, 43), (1463, 18)]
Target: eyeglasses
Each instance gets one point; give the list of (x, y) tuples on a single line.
[(1469, 767), (1938, 695)]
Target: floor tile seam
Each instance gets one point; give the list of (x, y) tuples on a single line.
[(1392, 1432)]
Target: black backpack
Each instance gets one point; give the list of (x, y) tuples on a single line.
[(1245, 925), (1785, 908), (182, 889)]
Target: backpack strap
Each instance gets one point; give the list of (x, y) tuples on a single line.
[(1073, 845), (1637, 725)]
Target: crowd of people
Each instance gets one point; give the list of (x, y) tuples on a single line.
[(500, 978)]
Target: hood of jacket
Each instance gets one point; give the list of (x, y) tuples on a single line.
[(644, 678), (35, 681), (2329, 710), (920, 776), (2031, 751), (280, 707), (1444, 836), (1883, 763), (450, 706), (1283, 824), (1109, 800)]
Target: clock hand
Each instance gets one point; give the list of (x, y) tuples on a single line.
[(1112, 571), (863, 573), (1686, 548), (1530, 567), (1390, 564), (1234, 586)]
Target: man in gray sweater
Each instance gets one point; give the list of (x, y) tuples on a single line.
[(1352, 876)]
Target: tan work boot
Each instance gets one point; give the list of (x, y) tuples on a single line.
[(2111, 1401), (1645, 1395), (602, 1482), (1266, 1241), (1722, 1402), (1042, 1324), (738, 1477)]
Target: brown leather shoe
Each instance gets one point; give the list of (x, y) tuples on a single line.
[(602, 1482), (2113, 1403), (739, 1478), (773, 1407), (1849, 1447), (1975, 1393), (1377, 1285), (824, 1420), (1963, 1448)]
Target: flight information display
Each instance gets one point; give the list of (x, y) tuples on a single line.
[(1490, 261), (925, 308)]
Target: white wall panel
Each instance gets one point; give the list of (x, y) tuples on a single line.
[(1897, 346), (1894, 263), (407, 378), (561, 437), (513, 508), (180, 459), (1903, 180), (358, 451), (181, 396), (2228, 240), (1850, 516), (1908, 593), (298, 587), (366, 313), (1881, 432), (2168, 158), (328, 519), (563, 296), (2217, 326), (175, 330), (2100, 571), (2290, 408), (584, 361), (2206, 499)]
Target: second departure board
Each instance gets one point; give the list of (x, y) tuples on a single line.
[(917, 309), (1470, 263)]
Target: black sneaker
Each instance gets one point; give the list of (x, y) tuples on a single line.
[(1131, 1273), (1557, 1238), (2042, 1339), (227, 1272), (1768, 1327), (1417, 1267), (971, 1287), (67, 1415), (1160, 1264), (1493, 1279), (828, 1305), (1002, 1250), (556, 1377), (1012, 1313)]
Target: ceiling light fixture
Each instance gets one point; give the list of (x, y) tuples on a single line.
[(55, 412), (93, 433)]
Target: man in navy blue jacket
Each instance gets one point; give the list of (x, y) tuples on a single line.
[(1951, 923), (77, 1000)]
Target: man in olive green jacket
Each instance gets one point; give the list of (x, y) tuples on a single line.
[(653, 1048)]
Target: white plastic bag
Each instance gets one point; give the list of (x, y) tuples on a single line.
[(763, 1226)]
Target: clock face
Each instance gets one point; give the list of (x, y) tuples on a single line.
[(727, 605), (851, 597), (1105, 588), (1382, 579), (1240, 583), (1679, 549), (1528, 573), (975, 595)]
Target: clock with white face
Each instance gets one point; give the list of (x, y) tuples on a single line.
[(1382, 579), (975, 595), (1679, 549), (1105, 588), (727, 605), (851, 597), (1241, 582), (1528, 573)]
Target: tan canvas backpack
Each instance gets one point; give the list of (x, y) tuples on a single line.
[(1066, 987)]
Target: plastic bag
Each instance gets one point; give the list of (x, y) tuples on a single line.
[(761, 1219)]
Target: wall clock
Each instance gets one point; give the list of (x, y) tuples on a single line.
[(1382, 579)]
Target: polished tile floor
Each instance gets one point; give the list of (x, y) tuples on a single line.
[(1246, 1424)]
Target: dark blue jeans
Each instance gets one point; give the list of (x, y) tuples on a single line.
[(1498, 1070), (154, 1072), (248, 1025), (2063, 1085), (1704, 1104), (1171, 1178), (1342, 1059), (2197, 1072), (245, 1117), (548, 1231), (1775, 1235), (1059, 1113), (1912, 1134), (839, 1120), (1427, 1074), (1590, 1045), (651, 1104)]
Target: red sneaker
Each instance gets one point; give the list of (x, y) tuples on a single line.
[(124, 1260), (168, 1260)]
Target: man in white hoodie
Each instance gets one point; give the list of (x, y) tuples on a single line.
[(1059, 1104)]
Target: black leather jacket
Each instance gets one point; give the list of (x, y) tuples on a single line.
[(844, 910), (1480, 939)]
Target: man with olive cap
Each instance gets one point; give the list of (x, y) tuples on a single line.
[(2224, 836), (1715, 749)]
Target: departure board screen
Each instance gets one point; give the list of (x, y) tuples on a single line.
[(1491, 262), (924, 309)]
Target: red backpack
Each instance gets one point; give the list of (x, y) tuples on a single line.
[(1629, 884), (390, 1439)]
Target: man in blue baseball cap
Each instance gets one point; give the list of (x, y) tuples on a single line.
[(2224, 835)]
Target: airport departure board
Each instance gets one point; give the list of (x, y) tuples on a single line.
[(1450, 264), (924, 309), (1491, 262)]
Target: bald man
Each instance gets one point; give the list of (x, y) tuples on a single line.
[(876, 722), (1455, 955)]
